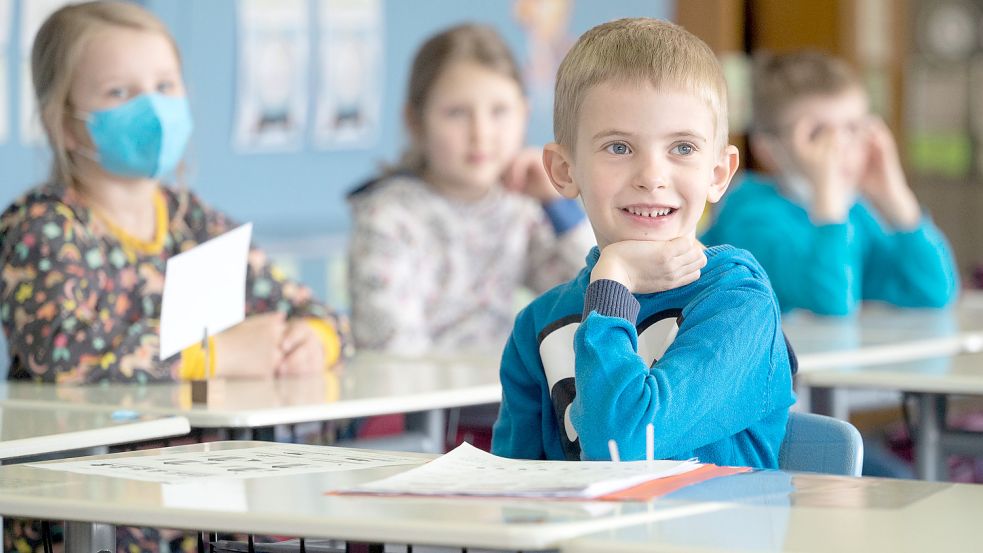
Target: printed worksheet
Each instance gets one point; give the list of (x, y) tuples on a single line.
[(468, 470), (273, 460)]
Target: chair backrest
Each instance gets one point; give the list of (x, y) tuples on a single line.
[(816, 443)]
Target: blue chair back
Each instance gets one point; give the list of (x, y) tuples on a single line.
[(816, 443)]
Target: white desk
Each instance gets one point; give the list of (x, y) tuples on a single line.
[(880, 334), (930, 380), (26, 430), (297, 505), (820, 514), (370, 384)]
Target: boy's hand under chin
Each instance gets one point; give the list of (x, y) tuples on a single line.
[(645, 266)]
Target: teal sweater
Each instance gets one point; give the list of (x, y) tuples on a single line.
[(706, 364), (829, 269)]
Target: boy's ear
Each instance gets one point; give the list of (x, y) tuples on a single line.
[(559, 167), (723, 172)]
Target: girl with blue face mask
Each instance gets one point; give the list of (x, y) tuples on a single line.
[(83, 255)]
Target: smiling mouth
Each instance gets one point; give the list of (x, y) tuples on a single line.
[(652, 213)]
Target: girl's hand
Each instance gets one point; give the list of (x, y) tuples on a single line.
[(526, 175), (302, 350), (884, 183), (645, 267), (252, 348)]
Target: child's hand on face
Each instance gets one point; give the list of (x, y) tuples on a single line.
[(526, 175), (883, 181), (252, 348), (818, 152), (303, 352), (645, 266)]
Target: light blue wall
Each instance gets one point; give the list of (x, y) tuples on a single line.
[(294, 196), (295, 193)]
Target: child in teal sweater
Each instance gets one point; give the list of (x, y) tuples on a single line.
[(656, 330), (836, 223)]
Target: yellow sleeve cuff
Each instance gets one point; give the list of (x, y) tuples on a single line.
[(193, 361), (329, 338)]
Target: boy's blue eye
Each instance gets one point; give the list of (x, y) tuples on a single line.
[(165, 86), (117, 92), (684, 149), (619, 148)]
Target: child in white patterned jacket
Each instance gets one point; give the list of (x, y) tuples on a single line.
[(441, 246)]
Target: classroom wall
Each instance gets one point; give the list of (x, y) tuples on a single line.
[(294, 199), (288, 194)]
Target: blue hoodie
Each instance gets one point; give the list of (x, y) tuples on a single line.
[(830, 268), (706, 364)]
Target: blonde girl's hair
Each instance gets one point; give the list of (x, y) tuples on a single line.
[(634, 51), (472, 43), (55, 56)]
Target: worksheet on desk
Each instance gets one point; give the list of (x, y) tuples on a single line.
[(274, 460), (469, 471)]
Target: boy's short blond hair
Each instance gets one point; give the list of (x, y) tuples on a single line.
[(781, 80), (636, 51)]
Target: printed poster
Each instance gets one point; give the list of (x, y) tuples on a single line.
[(273, 83), (349, 73)]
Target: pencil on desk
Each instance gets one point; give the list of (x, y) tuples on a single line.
[(613, 449), (649, 442)]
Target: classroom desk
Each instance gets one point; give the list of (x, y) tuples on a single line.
[(819, 514), (930, 380), (27, 430), (880, 334), (297, 505), (877, 335), (370, 384)]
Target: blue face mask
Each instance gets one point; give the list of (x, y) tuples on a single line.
[(143, 138)]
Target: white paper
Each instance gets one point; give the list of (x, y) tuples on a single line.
[(273, 460), (470, 471), (204, 287), (274, 48), (350, 73)]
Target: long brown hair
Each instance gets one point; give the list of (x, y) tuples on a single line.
[(473, 43), (58, 47)]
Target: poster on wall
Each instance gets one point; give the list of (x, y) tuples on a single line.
[(546, 24), (272, 93), (349, 74), (33, 14), (5, 13)]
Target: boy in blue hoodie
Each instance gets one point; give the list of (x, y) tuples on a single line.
[(834, 223), (656, 329)]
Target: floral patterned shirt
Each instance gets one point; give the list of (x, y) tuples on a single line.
[(80, 303)]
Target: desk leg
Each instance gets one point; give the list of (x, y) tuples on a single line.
[(242, 434), (85, 537), (432, 424), (928, 444), (829, 401)]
